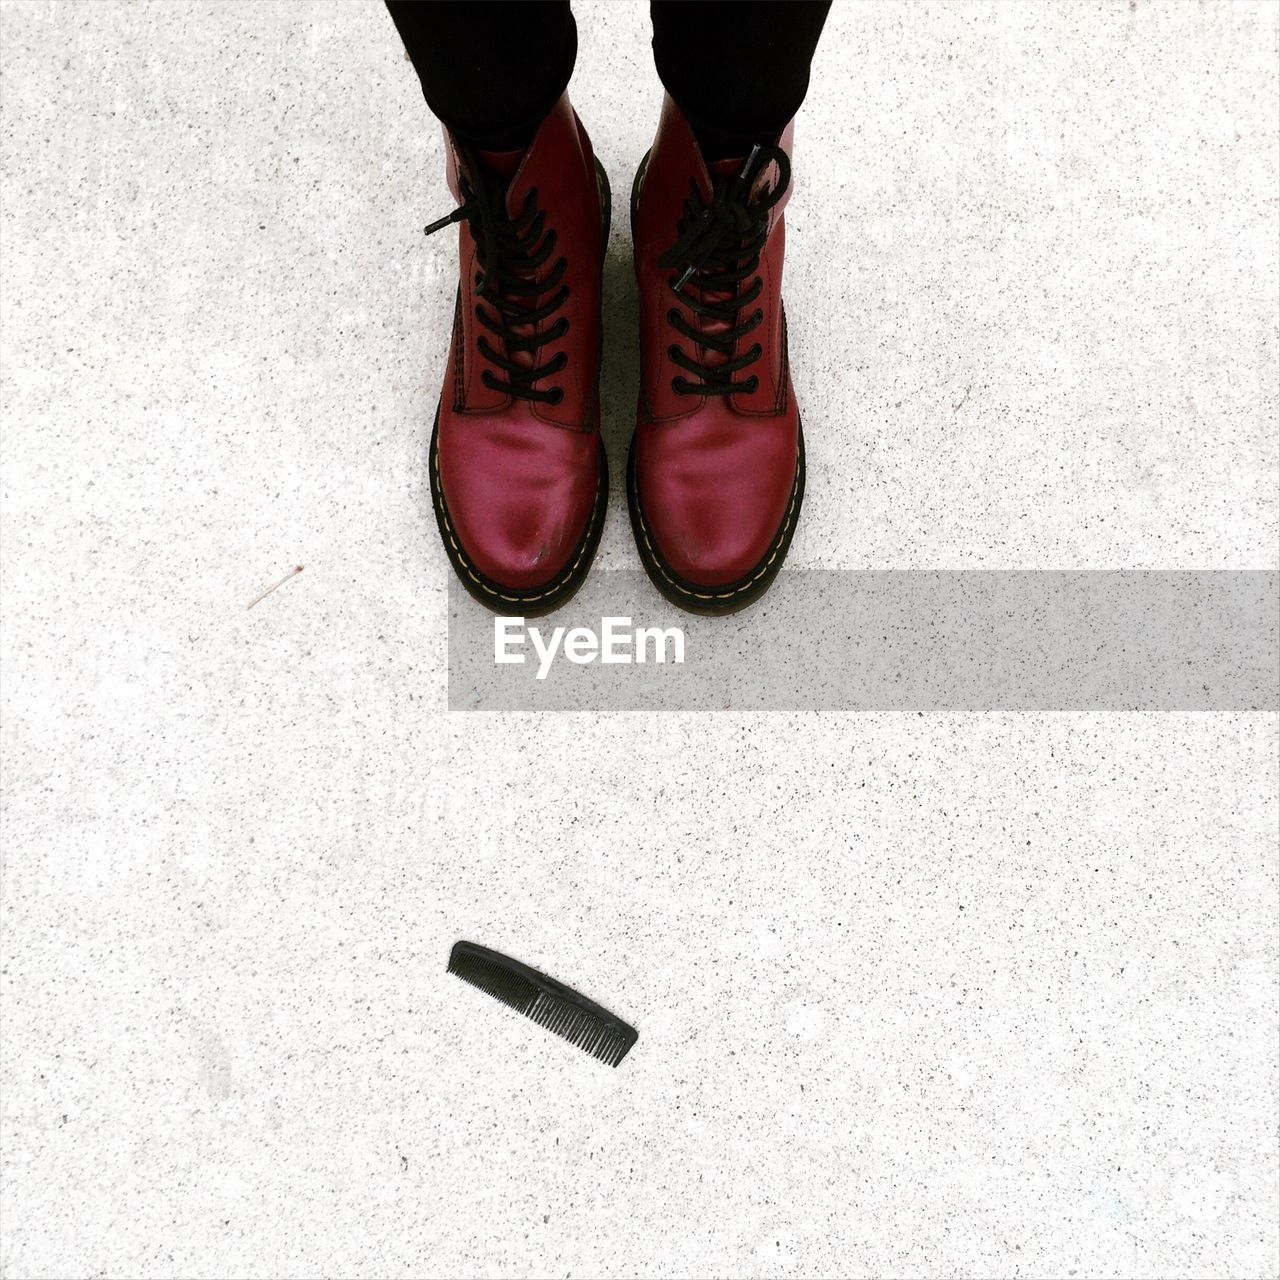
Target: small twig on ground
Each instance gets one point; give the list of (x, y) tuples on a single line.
[(293, 573)]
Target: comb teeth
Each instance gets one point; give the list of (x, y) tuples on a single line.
[(549, 1003)]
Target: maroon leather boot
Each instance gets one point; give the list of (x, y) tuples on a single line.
[(716, 473), (518, 473)]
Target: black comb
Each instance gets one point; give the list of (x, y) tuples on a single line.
[(548, 1002)]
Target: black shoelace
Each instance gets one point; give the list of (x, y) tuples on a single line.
[(510, 252), (719, 249)]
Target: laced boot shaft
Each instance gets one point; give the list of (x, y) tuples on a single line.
[(716, 473), (718, 249), (518, 474)]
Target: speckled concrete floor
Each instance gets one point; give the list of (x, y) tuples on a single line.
[(918, 995)]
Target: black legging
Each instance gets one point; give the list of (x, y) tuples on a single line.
[(491, 72)]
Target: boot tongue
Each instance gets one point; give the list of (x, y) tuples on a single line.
[(731, 168), (726, 168), (502, 163), (720, 170), (500, 168)]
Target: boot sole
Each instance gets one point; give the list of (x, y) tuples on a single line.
[(535, 601), (693, 597)]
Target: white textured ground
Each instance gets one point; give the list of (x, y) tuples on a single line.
[(917, 995)]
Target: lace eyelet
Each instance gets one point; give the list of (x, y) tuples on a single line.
[(679, 385), (557, 394), (672, 316), (753, 384), (759, 316), (673, 351), (756, 352)]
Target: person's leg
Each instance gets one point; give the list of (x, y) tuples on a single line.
[(490, 72), (738, 71)]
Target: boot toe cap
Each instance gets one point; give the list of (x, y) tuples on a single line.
[(714, 520), (517, 518)]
